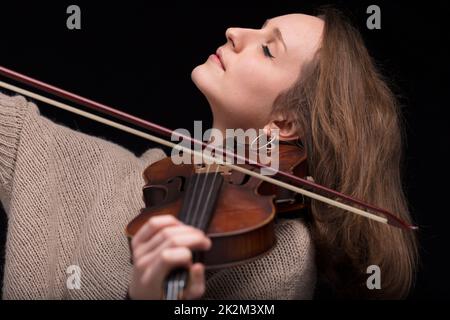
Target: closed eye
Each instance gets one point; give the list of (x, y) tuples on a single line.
[(267, 52)]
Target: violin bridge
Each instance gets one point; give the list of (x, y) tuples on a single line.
[(211, 168)]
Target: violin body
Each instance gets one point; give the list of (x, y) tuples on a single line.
[(235, 210)]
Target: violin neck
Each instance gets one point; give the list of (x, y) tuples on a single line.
[(175, 284), (198, 206)]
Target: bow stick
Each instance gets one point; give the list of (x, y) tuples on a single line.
[(388, 218)]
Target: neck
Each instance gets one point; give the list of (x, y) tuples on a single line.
[(220, 127)]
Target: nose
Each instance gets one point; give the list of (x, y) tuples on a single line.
[(231, 37), (239, 37)]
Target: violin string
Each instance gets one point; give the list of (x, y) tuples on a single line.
[(191, 216), (175, 283), (195, 215), (175, 288), (169, 291), (202, 190), (191, 200), (201, 217), (196, 220)]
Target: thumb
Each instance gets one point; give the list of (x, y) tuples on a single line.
[(196, 283)]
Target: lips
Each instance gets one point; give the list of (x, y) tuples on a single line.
[(219, 55)]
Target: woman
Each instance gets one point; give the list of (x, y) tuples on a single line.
[(68, 196)]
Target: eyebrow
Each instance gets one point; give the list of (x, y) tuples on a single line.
[(277, 33)]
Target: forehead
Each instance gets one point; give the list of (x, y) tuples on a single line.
[(300, 31)]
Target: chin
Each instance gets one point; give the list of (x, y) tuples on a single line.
[(196, 75), (205, 81)]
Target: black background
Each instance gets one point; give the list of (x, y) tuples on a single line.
[(138, 56)]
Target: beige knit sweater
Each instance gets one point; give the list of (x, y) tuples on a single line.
[(68, 197)]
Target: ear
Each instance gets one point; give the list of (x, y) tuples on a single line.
[(288, 130)]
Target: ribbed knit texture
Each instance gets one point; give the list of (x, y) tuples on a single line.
[(68, 197)]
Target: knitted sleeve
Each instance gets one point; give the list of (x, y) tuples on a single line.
[(287, 272), (12, 114), (68, 197)]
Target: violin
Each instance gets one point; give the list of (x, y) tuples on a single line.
[(233, 209), (233, 204)]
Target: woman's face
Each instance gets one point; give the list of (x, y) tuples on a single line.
[(258, 64)]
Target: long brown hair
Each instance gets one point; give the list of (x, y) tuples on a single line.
[(351, 125)]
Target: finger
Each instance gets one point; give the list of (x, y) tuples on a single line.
[(152, 226), (196, 283), (169, 259), (191, 241), (177, 236)]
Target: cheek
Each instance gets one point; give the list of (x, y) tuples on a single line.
[(251, 89), (254, 81)]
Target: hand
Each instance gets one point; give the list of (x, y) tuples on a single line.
[(161, 245)]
